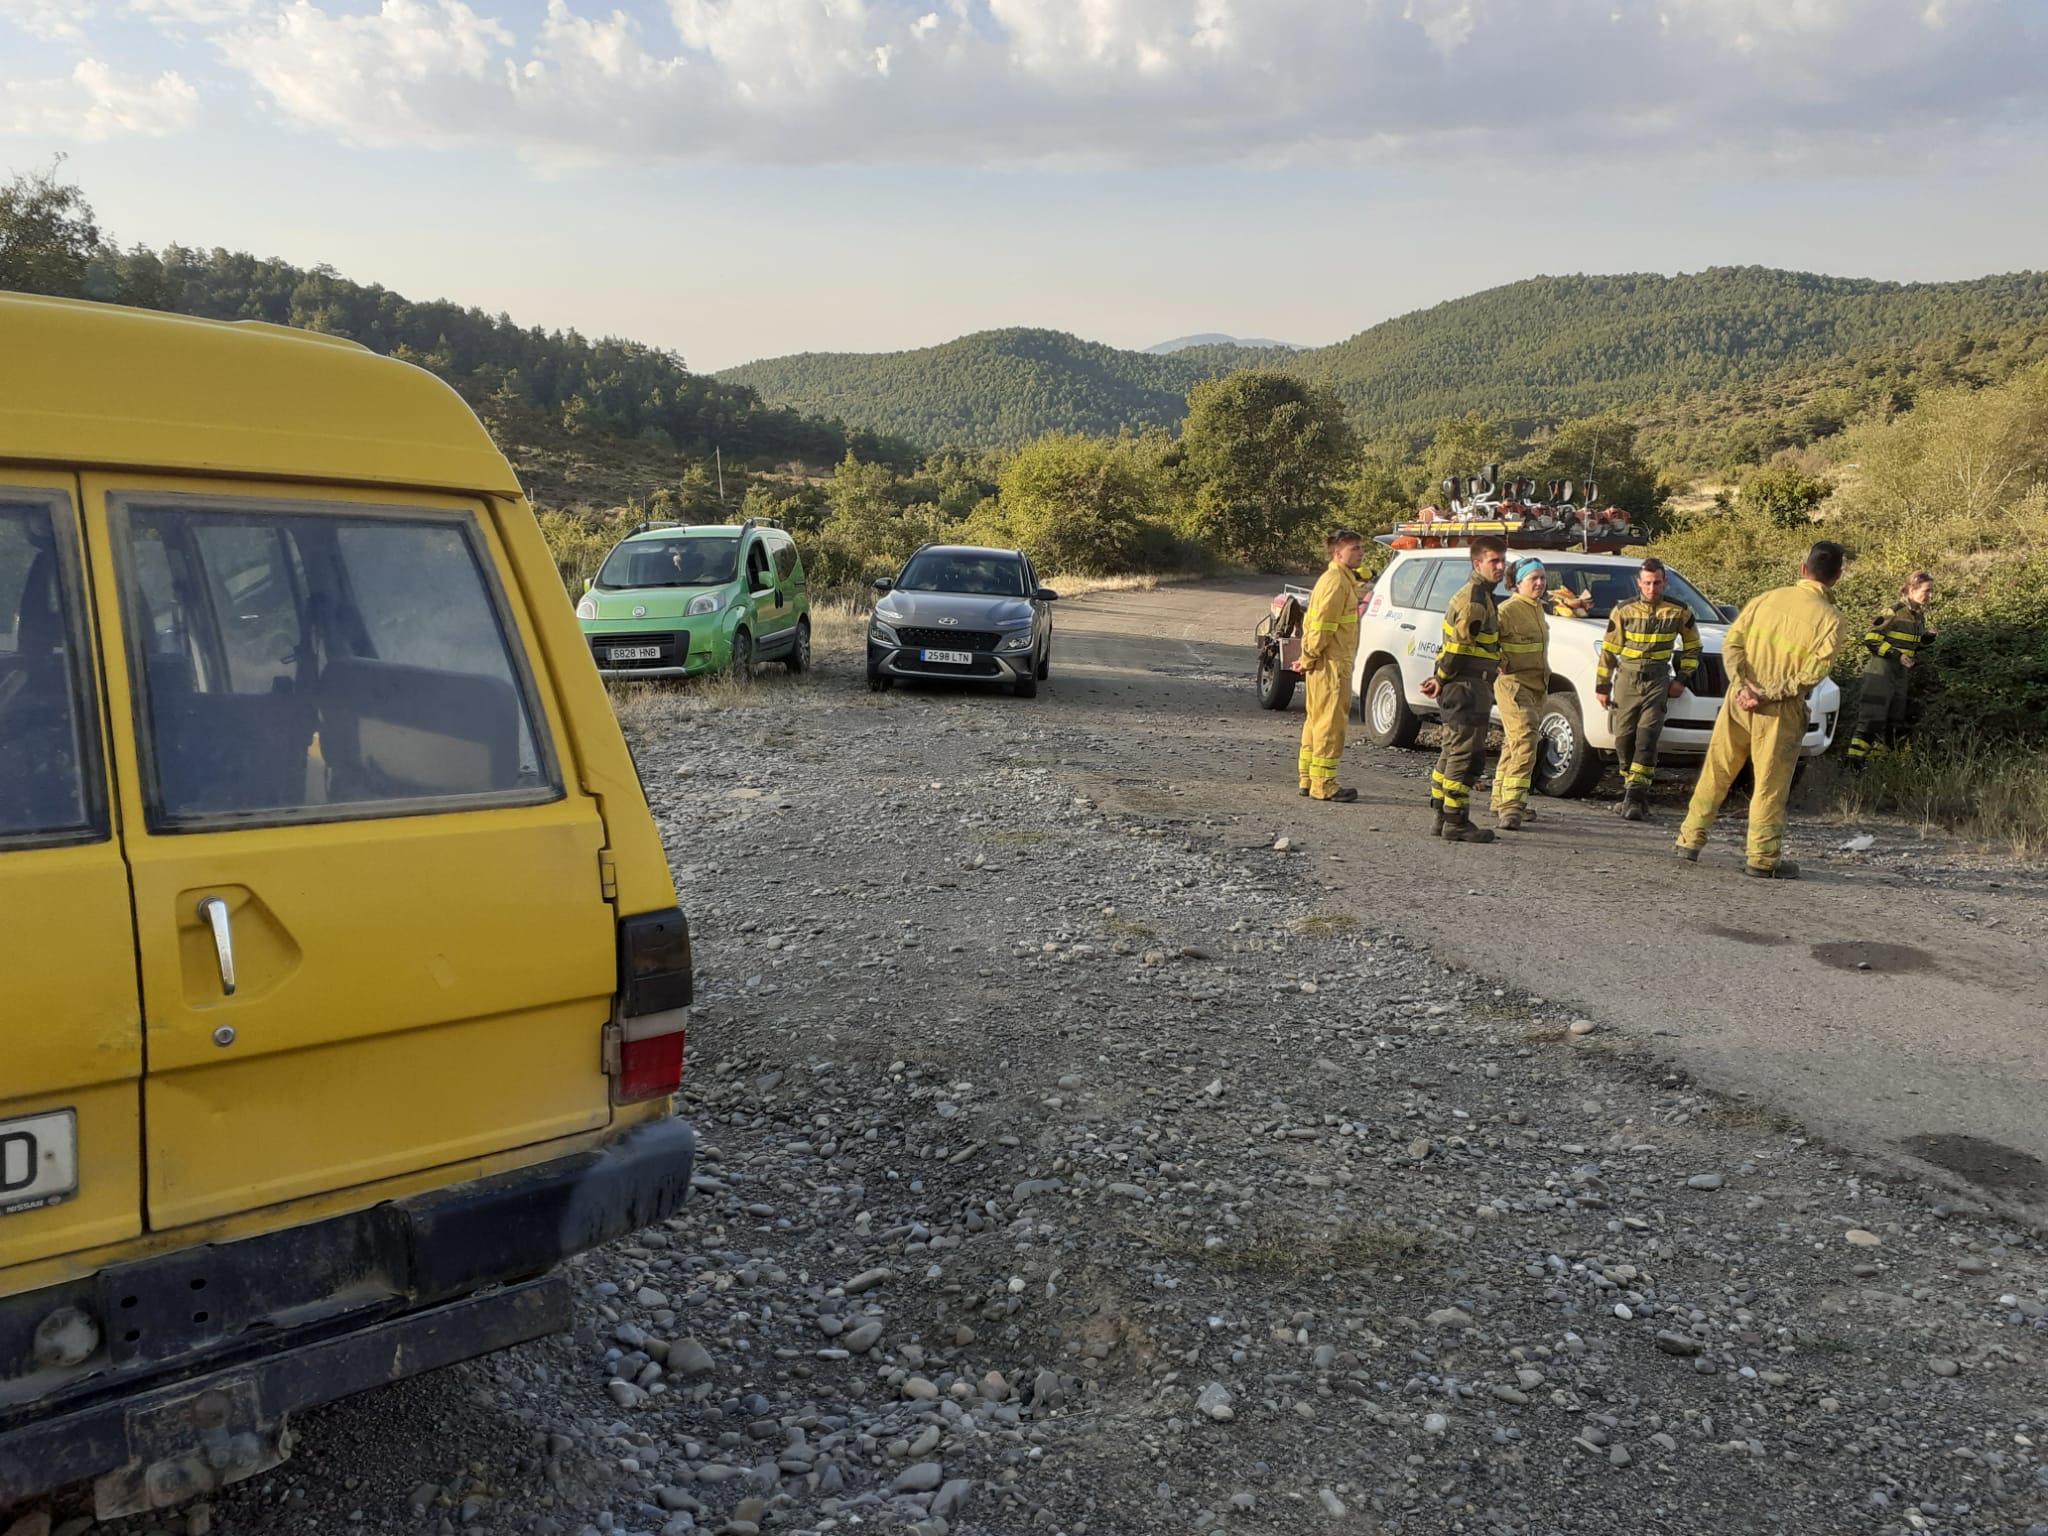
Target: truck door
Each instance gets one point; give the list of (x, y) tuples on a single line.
[(70, 1022), (368, 904)]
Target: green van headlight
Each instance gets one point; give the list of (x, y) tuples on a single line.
[(709, 602)]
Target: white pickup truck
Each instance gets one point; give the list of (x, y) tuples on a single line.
[(1403, 625)]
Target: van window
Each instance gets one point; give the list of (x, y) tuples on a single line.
[(49, 786), (1444, 580), (310, 665), (785, 559), (1405, 590), (757, 566)]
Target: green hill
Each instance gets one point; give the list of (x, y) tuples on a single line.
[(1531, 351), (994, 388)]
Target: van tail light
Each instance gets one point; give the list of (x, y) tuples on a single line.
[(644, 1051), (650, 1057)]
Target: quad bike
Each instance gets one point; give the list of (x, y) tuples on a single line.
[(1278, 638)]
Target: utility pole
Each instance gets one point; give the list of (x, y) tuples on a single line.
[(718, 457)]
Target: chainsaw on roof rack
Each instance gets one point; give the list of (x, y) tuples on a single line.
[(1561, 514)]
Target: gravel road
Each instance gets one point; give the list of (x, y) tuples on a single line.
[(1099, 1141)]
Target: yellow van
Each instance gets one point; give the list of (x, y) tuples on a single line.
[(342, 983)]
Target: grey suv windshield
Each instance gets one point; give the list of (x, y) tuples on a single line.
[(978, 575), (702, 562), (1611, 584)]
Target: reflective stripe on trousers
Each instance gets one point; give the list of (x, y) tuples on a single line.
[(1766, 738), (1521, 711), (1322, 731)]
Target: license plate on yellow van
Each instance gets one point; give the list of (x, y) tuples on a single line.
[(38, 1160)]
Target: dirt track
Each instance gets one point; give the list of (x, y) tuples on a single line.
[(1074, 1163), (1757, 988)]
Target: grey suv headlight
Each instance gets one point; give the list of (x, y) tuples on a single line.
[(1020, 641)]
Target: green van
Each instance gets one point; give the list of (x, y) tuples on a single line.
[(672, 600)]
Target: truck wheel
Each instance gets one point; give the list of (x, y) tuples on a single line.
[(1276, 683), (1566, 768), (1389, 722)]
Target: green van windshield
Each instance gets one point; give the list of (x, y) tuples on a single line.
[(699, 562)]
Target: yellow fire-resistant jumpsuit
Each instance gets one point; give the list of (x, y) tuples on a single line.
[(1329, 645), (1466, 659), (1644, 641), (1781, 645), (1519, 693), (1893, 640)]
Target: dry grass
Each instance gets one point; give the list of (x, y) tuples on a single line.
[(1129, 929), (1326, 924), (1993, 795), (1740, 1115), (1297, 1255)]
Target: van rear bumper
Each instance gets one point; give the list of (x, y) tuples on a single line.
[(260, 1327)]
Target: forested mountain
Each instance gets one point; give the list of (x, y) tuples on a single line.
[(1532, 351), (588, 389), (1571, 346), (994, 388)]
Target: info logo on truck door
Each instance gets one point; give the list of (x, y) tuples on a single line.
[(38, 1160)]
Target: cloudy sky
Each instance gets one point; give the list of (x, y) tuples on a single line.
[(741, 178)]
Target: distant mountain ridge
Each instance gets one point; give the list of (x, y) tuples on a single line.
[(995, 388), (1218, 339), (1534, 350)]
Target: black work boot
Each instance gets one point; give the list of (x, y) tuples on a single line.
[(1459, 829), (1635, 804), (1436, 825), (1784, 869)]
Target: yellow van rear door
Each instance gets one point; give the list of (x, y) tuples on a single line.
[(70, 1025), (372, 932)]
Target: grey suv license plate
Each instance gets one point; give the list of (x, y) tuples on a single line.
[(949, 658)]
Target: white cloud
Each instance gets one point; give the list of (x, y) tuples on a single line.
[(50, 20), (1142, 81), (412, 71), (95, 102), (194, 13)]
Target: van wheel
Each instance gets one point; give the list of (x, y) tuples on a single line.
[(1389, 722), (799, 657), (742, 667), (1566, 768), (1276, 683)]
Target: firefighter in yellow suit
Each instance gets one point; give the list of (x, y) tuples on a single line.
[(1329, 646), (1520, 690), (1467, 658), (1776, 651)]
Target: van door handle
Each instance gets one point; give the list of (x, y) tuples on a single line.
[(1407, 626), (214, 913)]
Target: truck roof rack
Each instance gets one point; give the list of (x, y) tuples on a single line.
[(659, 522), (762, 522)]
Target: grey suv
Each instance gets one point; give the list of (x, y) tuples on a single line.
[(962, 612)]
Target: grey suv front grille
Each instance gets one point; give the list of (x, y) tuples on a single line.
[(949, 639)]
